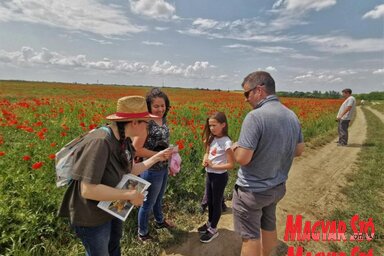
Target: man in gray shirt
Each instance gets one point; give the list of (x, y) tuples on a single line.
[(270, 138), (344, 116)]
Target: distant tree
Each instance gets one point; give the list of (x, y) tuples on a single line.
[(371, 96)]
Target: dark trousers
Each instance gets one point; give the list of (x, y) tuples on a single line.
[(215, 184), (204, 201), (343, 131)]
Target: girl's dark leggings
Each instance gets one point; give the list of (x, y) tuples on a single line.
[(215, 184)]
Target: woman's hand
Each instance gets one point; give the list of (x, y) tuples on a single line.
[(164, 154), (137, 198)]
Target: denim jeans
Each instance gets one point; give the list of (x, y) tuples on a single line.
[(154, 202), (101, 240)]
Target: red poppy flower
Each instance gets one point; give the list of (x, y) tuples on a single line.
[(2, 153), (52, 156), (26, 158), (92, 126), (37, 165), (180, 143)]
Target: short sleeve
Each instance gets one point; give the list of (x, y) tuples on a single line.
[(228, 144), (249, 133), (91, 161), (350, 102), (301, 137)]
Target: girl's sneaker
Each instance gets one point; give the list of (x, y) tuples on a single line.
[(203, 229), (208, 236)]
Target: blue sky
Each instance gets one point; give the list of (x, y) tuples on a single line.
[(305, 44)]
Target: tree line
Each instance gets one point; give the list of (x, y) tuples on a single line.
[(331, 95)]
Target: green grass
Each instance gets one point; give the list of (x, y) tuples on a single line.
[(366, 190), (378, 105)]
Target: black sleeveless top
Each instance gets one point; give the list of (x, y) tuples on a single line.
[(157, 140)]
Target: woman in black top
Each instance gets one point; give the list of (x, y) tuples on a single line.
[(157, 140)]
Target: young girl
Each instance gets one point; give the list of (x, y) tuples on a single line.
[(217, 160), (100, 163), (157, 140)]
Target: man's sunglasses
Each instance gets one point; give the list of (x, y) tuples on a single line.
[(246, 93)]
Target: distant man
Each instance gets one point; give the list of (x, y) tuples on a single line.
[(270, 138), (345, 115)]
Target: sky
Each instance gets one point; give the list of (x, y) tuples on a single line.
[(306, 45)]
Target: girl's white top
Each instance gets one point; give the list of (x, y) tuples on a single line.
[(217, 154)]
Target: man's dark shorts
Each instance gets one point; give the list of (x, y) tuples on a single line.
[(255, 210)]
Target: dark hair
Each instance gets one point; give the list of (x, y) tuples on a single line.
[(125, 145), (207, 135), (260, 78), (347, 90), (157, 93)]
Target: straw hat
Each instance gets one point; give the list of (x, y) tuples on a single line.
[(131, 108)]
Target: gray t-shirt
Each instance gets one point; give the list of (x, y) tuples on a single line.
[(272, 131), (349, 102), (97, 161)]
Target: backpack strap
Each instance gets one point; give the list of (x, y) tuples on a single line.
[(106, 129)]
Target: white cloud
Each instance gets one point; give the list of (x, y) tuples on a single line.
[(100, 41), (242, 29), (270, 69), (161, 28), (286, 51), (80, 15), (156, 9), (277, 4), (343, 44), (198, 69), (377, 13), (300, 5), (378, 71), (152, 43), (291, 13), (347, 72), (205, 23), (28, 57), (318, 77), (264, 49)]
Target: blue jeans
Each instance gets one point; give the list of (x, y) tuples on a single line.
[(154, 202), (101, 240)]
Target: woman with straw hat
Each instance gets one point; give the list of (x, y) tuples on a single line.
[(100, 162)]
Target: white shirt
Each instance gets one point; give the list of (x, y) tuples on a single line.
[(349, 102), (217, 154)]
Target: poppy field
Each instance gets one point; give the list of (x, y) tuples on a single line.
[(37, 119)]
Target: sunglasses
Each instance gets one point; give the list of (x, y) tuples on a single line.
[(246, 93)]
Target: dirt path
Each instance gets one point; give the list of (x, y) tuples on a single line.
[(313, 189), (377, 113)]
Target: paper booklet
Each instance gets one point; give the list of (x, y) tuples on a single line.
[(122, 208)]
